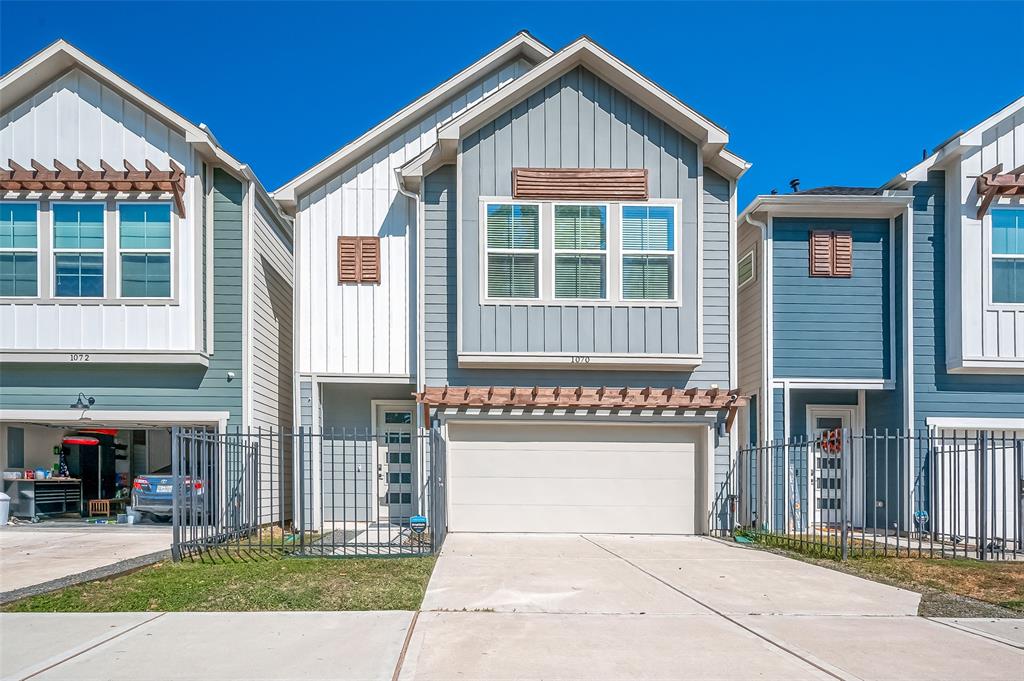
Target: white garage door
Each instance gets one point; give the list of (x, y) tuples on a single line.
[(525, 477)]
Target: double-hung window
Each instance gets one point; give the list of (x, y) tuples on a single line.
[(19, 250), (648, 252), (581, 242), (513, 250), (1008, 256), (78, 241), (144, 246)]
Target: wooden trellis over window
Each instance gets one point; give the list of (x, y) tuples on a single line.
[(995, 183), (107, 178)]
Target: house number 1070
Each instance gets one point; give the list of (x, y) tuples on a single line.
[(580, 359)]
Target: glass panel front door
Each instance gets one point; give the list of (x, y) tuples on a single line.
[(396, 469), (826, 464)]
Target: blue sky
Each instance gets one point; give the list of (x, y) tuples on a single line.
[(832, 93)]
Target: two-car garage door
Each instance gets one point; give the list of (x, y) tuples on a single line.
[(527, 477)]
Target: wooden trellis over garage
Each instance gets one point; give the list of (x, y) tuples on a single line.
[(107, 178), (995, 183)]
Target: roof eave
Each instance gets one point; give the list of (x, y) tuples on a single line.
[(826, 205), (522, 44)]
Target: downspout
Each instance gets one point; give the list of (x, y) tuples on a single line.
[(767, 402)]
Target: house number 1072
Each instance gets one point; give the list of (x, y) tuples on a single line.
[(580, 359), (79, 358)]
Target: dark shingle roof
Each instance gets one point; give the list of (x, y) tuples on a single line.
[(842, 191)]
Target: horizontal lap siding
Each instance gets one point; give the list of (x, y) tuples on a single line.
[(578, 121), (749, 314), (271, 335), (159, 387), (938, 393), (828, 327)]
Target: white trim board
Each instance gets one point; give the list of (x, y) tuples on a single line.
[(563, 360), (102, 357), (95, 417), (970, 423)]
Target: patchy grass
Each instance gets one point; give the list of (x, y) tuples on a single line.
[(997, 582), (223, 585), (948, 584)]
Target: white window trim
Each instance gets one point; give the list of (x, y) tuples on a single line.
[(992, 256), (487, 250), (674, 252), (157, 251), (555, 251), (752, 256), (54, 251), (613, 287), (37, 251)]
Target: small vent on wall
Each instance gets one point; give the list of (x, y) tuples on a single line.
[(359, 260), (830, 254)]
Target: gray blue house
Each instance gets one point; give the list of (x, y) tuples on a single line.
[(550, 276), (145, 277), (899, 307)]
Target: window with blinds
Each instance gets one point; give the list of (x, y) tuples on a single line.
[(830, 253), (19, 249), (648, 252), (581, 241), (513, 250), (1008, 256)]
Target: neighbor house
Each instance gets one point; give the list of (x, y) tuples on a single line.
[(145, 277), (537, 259), (889, 309)]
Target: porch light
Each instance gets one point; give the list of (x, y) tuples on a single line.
[(83, 402)]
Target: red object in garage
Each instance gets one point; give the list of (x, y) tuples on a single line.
[(79, 440)]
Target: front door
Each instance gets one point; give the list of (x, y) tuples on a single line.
[(395, 469), (825, 467)]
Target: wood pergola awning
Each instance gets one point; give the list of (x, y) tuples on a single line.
[(107, 178), (996, 183), (580, 398)]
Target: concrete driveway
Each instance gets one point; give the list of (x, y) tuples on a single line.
[(620, 607), (32, 555)]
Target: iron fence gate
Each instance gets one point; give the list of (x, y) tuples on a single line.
[(330, 494), (923, 494)]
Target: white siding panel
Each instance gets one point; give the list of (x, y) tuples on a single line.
[(359, 328), (77, 118)]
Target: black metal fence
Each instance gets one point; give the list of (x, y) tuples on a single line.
[(340, 493), (846, 493)]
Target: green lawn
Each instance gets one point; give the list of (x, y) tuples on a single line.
[(282, 584)]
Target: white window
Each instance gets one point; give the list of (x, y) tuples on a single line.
[(648, 252), (19, 250), (581, 259), (746, 271), (512, 250), (78, 243), (144, 249), (1008, 256)]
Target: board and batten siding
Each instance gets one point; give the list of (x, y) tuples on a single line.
[(75, 118), (578, 121), (938, 393), (364, 328), (982, 330), (271, 318), (159, 387), (831, 327)]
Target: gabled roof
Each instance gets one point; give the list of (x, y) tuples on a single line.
[(585, 52), (955, 146), (61, 56), (835, 190), (520, 44), (43, 67)]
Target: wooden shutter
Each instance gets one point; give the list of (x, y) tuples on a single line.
[(358, 260), (830, 254), (821, 253), (622, 184), (842, 254)]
